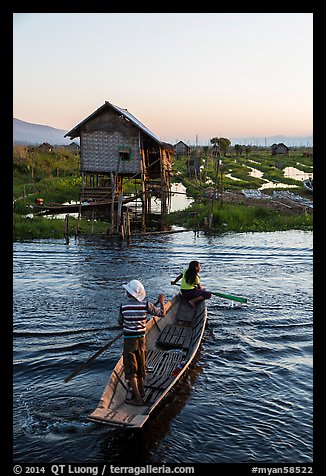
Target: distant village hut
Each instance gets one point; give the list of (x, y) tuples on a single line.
[(115, 147), (45, 147), (181, 148), (73, 147), (279, 149)]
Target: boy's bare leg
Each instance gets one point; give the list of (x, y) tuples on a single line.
[(136, 399), (140, 387)]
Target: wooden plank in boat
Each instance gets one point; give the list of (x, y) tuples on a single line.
[(151, 395), (160, 378), (161, 375), (118, 417), (175, 337), (187, 340), (185, 312), (163, 362)]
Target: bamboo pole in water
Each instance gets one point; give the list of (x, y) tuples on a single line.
[(112, 203), (66, 228)]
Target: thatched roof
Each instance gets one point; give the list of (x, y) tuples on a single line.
[(75, 132)]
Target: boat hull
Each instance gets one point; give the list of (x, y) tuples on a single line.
[(171, 344)]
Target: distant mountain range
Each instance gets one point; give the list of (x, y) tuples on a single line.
[(35, 134)]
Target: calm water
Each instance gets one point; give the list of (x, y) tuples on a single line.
[(248, 398)]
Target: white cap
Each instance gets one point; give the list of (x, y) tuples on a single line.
[(136, 289)]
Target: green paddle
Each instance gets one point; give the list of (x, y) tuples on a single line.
[(226, 296)]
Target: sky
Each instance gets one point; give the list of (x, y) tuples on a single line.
[(185, 76)]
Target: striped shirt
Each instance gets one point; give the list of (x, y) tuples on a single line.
[(133, 317)]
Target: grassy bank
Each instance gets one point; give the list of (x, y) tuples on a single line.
[(238, 218), (53, 175), (25, 228)]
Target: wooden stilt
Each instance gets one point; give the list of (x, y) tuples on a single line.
[(128, 222), (112, 203), (119, 215), (143, 197), (78, 220)]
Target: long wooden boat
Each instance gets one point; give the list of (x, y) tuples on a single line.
[(171, 345)]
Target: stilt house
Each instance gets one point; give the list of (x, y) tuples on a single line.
[(116, 147), (279, 149), (181, 148)]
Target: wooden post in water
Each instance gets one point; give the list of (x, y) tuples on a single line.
[(112, 203), (78, 220), (122, 230), (119, 214), (144, 205), (66, 229), (92, 225), (127, 222)]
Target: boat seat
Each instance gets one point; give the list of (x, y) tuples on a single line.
[(186, 313), (175, 337)]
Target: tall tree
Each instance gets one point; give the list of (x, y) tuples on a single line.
[(224, 144)]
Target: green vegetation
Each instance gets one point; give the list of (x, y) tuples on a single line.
[(54, 175), (201, 176), (240, 166), (238, 218), (41, 227)]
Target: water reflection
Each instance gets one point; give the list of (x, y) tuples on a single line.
[(179, 199), (248, 399), (289, 172), (296, 174)]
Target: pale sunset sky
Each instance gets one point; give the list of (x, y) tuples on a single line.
[(183, 75)]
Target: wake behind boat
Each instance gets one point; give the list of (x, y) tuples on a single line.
[(171, 345)]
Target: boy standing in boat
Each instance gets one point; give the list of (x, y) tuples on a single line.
[(191, 288), (133, 318)]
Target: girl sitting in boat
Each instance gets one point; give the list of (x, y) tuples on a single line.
[(191, 288)]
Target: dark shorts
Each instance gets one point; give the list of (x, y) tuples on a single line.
[(134, 357), (193, 293)]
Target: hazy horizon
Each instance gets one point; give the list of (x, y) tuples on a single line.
[(24, 132), (185, 76)]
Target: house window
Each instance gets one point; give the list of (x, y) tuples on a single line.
[(125, 153)]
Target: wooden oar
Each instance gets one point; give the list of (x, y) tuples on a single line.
[(226, 296), (99, 352)]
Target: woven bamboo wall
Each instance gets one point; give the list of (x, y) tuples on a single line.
[(101, 139), (100, 153)]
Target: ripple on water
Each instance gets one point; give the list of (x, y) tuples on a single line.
[(247, 399)]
